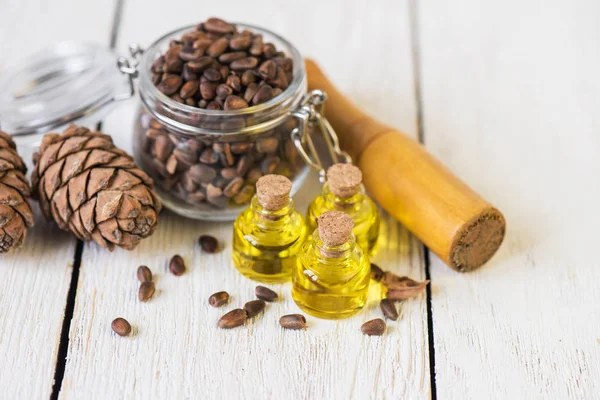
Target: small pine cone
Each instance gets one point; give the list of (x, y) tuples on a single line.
[(15, 212), (94, 189)]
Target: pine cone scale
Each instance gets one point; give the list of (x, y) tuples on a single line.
[(77, 190), (74, 165)]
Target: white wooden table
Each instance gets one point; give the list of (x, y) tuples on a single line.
[(507, 94)]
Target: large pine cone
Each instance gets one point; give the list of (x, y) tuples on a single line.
[(15, 212), (94, 189)]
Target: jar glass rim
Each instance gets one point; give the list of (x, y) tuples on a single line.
[(147, 85)]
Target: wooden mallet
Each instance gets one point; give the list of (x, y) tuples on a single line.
[(453, 221)]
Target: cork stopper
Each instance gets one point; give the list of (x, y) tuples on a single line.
[(273, 191), (335, 228), (344, 180)]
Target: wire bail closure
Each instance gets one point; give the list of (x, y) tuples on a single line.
[(129, 67), (309, 116)]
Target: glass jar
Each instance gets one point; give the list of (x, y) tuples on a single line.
[(204, 162)]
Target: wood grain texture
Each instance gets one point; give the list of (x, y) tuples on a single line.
[(35, 279), (176, 350), (511, 94)]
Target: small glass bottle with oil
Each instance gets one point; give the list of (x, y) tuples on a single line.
[(344, 192), (268, 236), (331, 278)]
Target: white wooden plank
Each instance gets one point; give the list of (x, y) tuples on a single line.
[(511, 94), (177, 350), (35, 279)]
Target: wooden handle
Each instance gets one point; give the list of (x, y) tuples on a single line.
[(457, 224)]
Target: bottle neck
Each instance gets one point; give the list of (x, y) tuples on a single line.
[(336, 202), (333, 254), (271, 219)]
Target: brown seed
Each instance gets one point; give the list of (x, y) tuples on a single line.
[(251, 91), (191, 54), (173, 66), (177, 98), (244, 63), (213, 105), (208, 90), (240, 42), (389, 309), (188, 75), (244, 195), (218, 47), (228, 173), (224, 90), (234, 103), (144, 274), (269, 50), (254, 307), (214, 193), (227, 58), (265, 294), (208, 156), (121, 327), (241, 147), (146, 291), (234, 82), (162, 147), (199, 65), (170, 84), (268, 69), (267, 145), (176, 265), (254, 175), (376, 272), (218, 299), (257, 47), (209, 244), (233, 187), (280, 81), (277, 92), (201, 173), (284, 62), (189, 89), (293, 321), (232, 319), (375, 327), (248, 77), (224, 71), (173, 53), (212, 74), (263, 94), (157, 65), (269, 164), (217, 25)]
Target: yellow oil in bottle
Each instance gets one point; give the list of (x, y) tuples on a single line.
[(266, 242), (359, 207), (331, 281)]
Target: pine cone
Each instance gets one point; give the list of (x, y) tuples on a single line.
[(94, 189), (15, 212)]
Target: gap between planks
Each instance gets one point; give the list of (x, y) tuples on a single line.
[(63, 345), (413, 11)]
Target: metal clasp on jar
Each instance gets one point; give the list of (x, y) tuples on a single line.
[(309, 117), (129, 67)]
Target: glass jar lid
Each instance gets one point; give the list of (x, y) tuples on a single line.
[(57, 86)]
